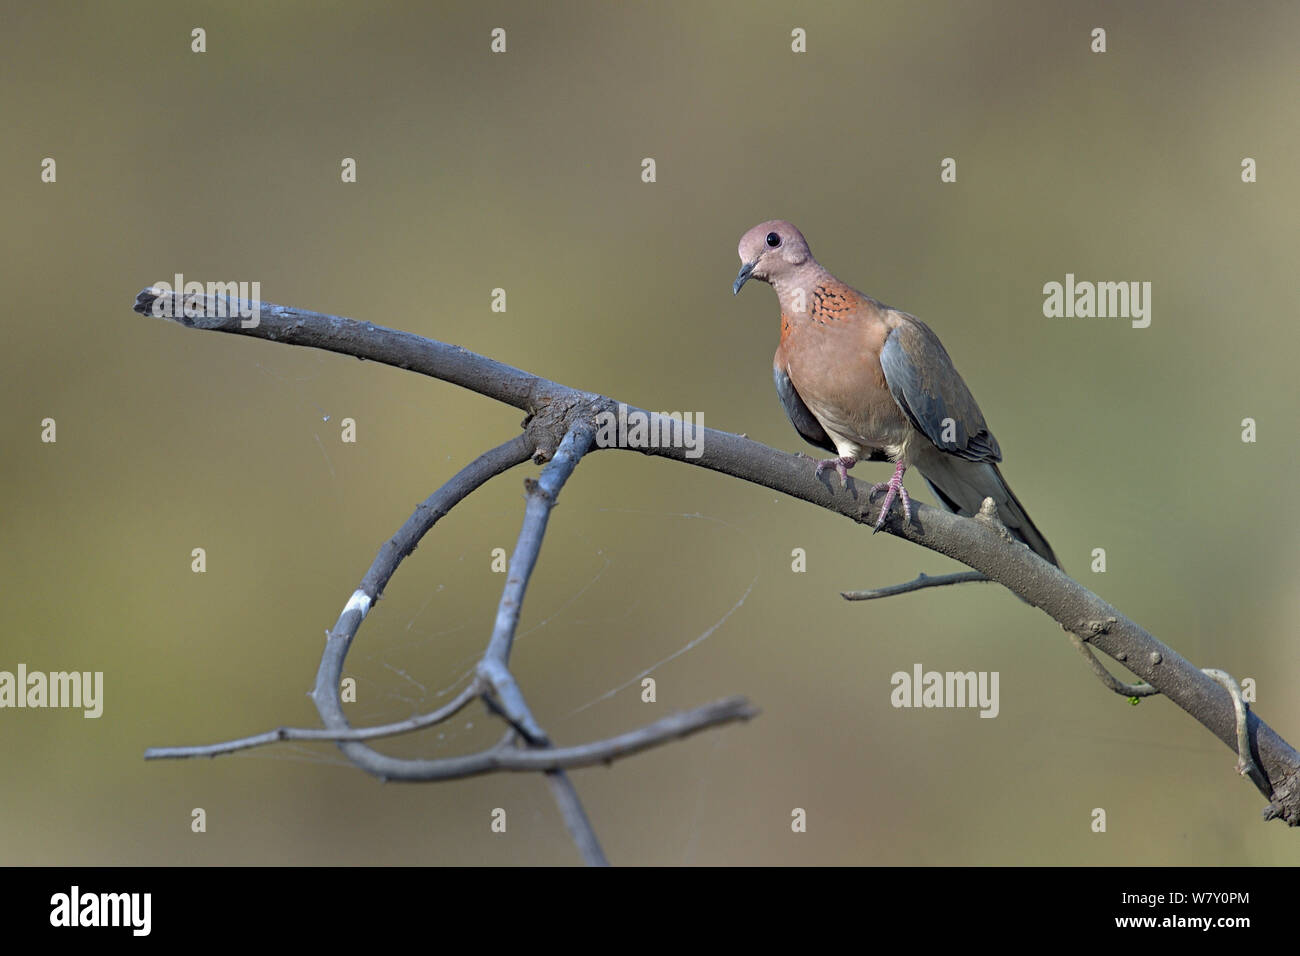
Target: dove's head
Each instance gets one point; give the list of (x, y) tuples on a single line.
[(773, 251)]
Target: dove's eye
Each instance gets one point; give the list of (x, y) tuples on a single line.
[(773, 240)]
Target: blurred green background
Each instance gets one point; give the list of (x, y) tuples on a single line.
[(522, 171)]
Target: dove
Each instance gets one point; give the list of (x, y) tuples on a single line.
[(867, 382)]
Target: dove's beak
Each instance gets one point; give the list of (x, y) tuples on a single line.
[(746, 271)]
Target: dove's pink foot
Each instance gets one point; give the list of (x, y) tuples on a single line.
[(896, 490), (842, 466)]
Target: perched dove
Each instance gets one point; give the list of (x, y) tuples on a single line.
[(868, 382)]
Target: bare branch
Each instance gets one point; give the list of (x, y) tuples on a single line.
[(364, 340), (920, 582), (472, 476), (1106, 677), (575, 818), (326, 692), (1245, 764), (516, 760), (493, 669), (541, 499), (314, 733), (971, 541)]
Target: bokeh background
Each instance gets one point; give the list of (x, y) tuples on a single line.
[(522, 171)]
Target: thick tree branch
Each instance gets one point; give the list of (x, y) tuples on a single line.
[(980, 543)]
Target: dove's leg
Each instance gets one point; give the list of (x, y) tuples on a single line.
[(895, 490)]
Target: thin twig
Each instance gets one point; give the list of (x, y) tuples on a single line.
[(575, 818), (315, 733), (921, 582), (1106, 677), (533, 759), (1245, 763)]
